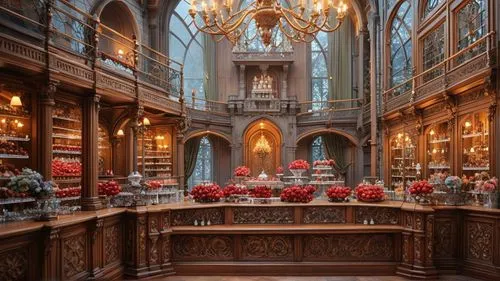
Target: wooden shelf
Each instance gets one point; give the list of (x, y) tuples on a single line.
[(13, 156), (68, 137), (475, 168), (67, 152), (67, 129), (66, 119), (9, 138), (439, 141)]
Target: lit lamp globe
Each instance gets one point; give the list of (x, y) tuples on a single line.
[(15, 101)]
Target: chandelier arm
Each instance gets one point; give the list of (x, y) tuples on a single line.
[(231, 17), (297, 18), (232, 27), (291, 37), (207, 29), (303, 29), (332, 29)]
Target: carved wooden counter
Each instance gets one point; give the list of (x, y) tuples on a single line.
[(319, 238)]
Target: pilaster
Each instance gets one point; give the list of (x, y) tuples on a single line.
[(46, 104)]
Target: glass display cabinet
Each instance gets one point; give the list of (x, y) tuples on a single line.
[(475, 145), (403, 159), (104, 144), (438, 149)]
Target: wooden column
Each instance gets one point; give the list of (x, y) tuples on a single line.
[(45, 132), (90, 150), (373, 94), (180, 158)]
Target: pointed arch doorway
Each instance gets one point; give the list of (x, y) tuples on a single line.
[(259, 134)]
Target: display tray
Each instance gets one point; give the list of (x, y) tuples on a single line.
[(14, 156), (10, 138)]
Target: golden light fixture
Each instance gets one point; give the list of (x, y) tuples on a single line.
[(432, 132), (468, 124), (15, 101), (120, 133), (20, 125), (146, 121), (262, 147), (299, 23)]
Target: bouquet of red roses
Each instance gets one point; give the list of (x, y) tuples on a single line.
[(207, 193), (298, 194), (299, 165), (338, 193), (233, 189), (261, 191), (369, 193), (241, 171), (325, 163), (421, 188)]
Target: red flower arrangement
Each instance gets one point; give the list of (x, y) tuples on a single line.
[(369, 193), (108, 188), (204, 193), (421, 188), (298, 165), (329, 162), (241, 171), (297, 194), (338, 193), (232, 189), (261, 191), (279, 170)]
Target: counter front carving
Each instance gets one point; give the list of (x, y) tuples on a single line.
[(263, 215)]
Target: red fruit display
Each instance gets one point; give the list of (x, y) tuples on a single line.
[(279, 170), (68, 192), (153, 184), (241, 171), (329, 162), (369, 193), (66, 168), (299, 165), (12, 148), (261, 191), (232, 189), (65, 147), (109, 188), (298, 194), (421, 187), (338, 193), (207, 193)]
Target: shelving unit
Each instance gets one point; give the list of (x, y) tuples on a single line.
[(322, 178), (155, 159), (67, 147), (475, 143), (403, 159), (104, 146), (438, 149)]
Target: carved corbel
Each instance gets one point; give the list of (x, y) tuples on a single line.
[(52, 235), (451, 108), (98, 226)]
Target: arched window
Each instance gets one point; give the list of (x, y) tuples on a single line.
[(401, 45), (317, 150), (319, 71), (203, 167), (186, 45), (472, 20), (429, 6)]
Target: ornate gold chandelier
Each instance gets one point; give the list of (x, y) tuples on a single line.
[(298, 23), (262, 147)]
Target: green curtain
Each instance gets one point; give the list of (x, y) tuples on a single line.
[(191, 148), (340, 48), (210, 72), (335, 146)]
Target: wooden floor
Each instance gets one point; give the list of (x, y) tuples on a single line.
[(292, 278)]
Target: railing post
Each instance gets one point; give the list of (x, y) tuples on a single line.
[(193, 97), (48, 14), (97, 31), (181, 91), (136, 52)]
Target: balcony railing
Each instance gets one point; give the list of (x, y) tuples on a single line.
[(211, 106), (321, 107), (67, 27), (464, 64)]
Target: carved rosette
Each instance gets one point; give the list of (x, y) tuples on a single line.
[(366, 247), (202, 247), (111, 244), (166, 222), (74, 255), (379, 215), (153, 225), (187, 217), (263, 215), (316, 215), (14, 264), (260, 247), (479, 241), (443, 243)]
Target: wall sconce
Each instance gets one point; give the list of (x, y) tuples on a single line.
[(432, 132), (468, 124), (20, 125), (15, 101), (120, 133), (146, 122)]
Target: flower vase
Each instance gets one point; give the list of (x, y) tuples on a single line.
[(297, 172), (47, 208)]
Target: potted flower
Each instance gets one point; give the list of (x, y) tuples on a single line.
[(241, 171)]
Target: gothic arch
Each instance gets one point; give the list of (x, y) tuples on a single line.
[(197, 133), (319, 131)]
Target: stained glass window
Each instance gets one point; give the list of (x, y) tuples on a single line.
[(401, 45), (389, 4), (433, 52), (317, 150), (186, 46), (319, 71), (472, 20), (203, 167), (430, 5)]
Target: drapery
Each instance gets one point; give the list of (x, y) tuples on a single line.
[(210, 71), (335, 146), (191, 148), (340, 48)]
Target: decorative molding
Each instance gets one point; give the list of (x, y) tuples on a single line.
[(379, 215), (273, 247), (316, 215), (263, 215), (406, 249), (153, 225), (12, 48), (112, 244), (166, 253), (419, 221), (68, 67), (53, 234), (153, 251), (467, 70), (479, 241), (429, 239), (74, 255), (98, 226), (108, 82), (14, 264), (187, 217), (141, 233), (357, 247), (408, 220), (443, 239), (202, 247)]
